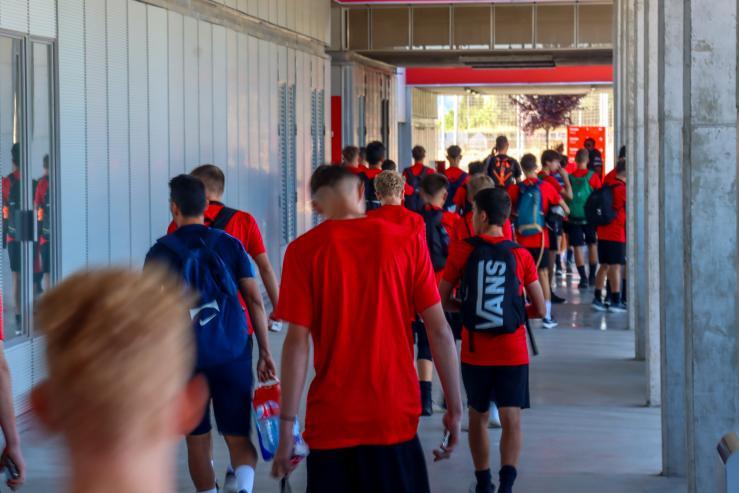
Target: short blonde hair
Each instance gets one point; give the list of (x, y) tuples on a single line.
[(119, 350), (478, 183), (389, 184)]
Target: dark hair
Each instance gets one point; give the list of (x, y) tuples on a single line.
[(389, 165), (454, 151), (582, 156), (548, 156), (528, 163), (495, 203), (501, 143), (188, 192), (418, 153), (590, 140), (212, 177), (621, 166), (375, 152), (622, 152), (363, 153), (329, 176), (350, 153), (15, 153), (476, 167), (434, 183)]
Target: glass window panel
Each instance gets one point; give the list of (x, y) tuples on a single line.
[(514, 26), (390, 28), (472, 27), (555, 26), (595, 26), (431, 27), (358, 29)]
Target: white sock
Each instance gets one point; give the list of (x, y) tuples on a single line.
[(549, 309), (214, 490), (244, 478)]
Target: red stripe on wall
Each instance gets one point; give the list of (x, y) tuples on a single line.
[(336, 123), (460, 76)]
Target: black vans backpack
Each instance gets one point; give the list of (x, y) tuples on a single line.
[(599, 209), (436, 237), (452, 191), (491, 291), (414, 202)]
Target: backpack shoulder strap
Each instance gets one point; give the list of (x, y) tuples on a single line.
[(476, 241), (223, 218)]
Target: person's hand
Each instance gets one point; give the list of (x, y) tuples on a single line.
[(452, 424), (282, 463), (266, 369), (14, 453)]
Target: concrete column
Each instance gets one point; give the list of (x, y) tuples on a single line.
[(650, 309), (671, 233), (617, 74), (710, 222)]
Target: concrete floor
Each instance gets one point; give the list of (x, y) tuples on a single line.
[(588, 430)]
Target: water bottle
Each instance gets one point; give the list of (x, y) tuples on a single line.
[(266, 405)]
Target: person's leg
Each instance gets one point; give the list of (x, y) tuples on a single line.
[(511, 438), (512, 391), (479, 439), (591, 239), (478, 383), (548, 320), (243, 456), (200, 463), (425, 368)]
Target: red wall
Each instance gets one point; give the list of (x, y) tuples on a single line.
[(336, 124)]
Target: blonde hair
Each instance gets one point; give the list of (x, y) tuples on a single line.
[(119, 349), (478, 183), (389, 184)]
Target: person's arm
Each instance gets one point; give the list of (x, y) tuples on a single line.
[(293, 374), (567, 192), (564, 205), (537, 308), (268, 277), (444, 352), (250, 292), (447, 301), (7, 423)]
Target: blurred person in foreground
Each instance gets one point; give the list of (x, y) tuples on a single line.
[(7, 417), (120, 411)]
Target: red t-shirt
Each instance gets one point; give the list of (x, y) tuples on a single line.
[(616, 231), (356, 169), (397, 214), (493, 350), (460, 196), (371, 172), (365, 390), (452, 174), (549, 197), (6, 196), (418, 167), (595, 182), (552, 181), (465, 228)]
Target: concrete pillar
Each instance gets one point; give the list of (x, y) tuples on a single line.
[(650, 182), (671, 232)]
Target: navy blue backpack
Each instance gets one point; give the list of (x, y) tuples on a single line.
[(218, 318)]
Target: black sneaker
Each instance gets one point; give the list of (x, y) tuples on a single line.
[(473, 488), (599, 305), (557, 300), (619, 307), (548, 323), (583, 284)]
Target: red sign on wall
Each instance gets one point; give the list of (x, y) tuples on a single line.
[(576, 137)]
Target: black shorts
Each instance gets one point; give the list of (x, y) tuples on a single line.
[(581, 234), (507, 386), (422, 341), (399, 468), (230, 388), (553, 241), (455, 322), (612, 252), (536, 252), (14, 255)]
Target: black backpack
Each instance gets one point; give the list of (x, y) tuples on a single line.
[(599, 209), (370, 195), (502, 170), (452, 191), (436, 237), (491, 291), (223, 218), (414, 202)]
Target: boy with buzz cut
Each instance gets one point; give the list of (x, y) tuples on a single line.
[(532, 200), (584, 181), (495, 359)]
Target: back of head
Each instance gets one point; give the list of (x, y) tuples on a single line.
[(335, 192), (213, 178), (528, 163), (375, 153), (418, 153), (350, 154), (389, 165), (501, 144), (621, 166), (550, 156), (107, 334), (477, 167), (495, 203), (454, 152), (433, 184), (582, 156), (188, 193), (478, 183), (389, 184), (622, 152)]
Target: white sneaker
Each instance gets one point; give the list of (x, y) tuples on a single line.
[(494, 417), (274, 327), (229, 484)]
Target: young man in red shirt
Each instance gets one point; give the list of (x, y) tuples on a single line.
[(363, 403), (537, 242), (494, 363), (503, 169), (414, 175), (552, 173), (389, 186), (612, 245), (11, 207), (583, 182), (457, 178), (350, 156), (375, 156), (465, 227)]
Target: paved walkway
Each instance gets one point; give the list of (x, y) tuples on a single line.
[(588, 430)]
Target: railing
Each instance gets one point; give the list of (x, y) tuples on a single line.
[(728, 450)]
